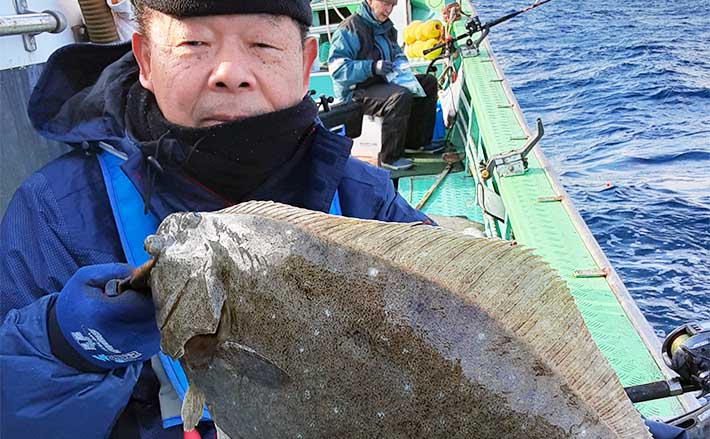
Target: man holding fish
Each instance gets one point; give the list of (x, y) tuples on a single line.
[(204, 110)]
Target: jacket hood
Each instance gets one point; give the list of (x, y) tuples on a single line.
[(81, 94), (379, 28)]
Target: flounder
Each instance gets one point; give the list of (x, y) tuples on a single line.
[(292, 323)]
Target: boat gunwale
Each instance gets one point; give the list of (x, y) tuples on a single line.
[(628, 304)]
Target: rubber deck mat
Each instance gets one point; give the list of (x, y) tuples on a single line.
[(455, 195)]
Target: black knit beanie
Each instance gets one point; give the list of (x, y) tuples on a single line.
[(299, 10)]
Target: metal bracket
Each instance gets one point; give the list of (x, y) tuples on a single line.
[(27, 39), (490, 202), (675, 387), (552, 199), (468, 52), (604, 272), (697, 417), (512, 162)]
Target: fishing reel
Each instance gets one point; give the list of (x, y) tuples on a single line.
[(323, 102), (474, 25), (686, 351)]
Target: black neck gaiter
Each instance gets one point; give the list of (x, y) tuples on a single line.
[(232, 159)]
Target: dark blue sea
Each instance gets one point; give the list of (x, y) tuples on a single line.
[(623, 88)]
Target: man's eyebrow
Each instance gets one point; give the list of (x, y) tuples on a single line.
[(274, 20)]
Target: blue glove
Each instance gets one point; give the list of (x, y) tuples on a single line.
[(663, 431), (382, 68), (108, 332)]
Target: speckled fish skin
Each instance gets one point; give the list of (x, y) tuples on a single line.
[(302, 325)]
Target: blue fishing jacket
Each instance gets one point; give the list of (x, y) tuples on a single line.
[(60, 219), (359, 41)]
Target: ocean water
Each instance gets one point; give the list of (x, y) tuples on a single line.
[(624, 91)]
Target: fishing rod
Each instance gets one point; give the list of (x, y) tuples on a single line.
[(687, 352), (516, 13), (474, 25)]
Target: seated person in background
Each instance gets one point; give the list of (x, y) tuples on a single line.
[(362, 52)]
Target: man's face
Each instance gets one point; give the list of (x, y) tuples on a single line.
[(205, 71), (382, 9)]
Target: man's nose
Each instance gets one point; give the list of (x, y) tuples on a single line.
[(231, 76)]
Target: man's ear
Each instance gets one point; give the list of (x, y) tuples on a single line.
[(310, 52), (141, 51)]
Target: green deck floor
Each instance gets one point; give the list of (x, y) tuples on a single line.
[(456, 195), (425, 164)]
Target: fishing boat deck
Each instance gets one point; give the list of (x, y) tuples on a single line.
[(455, 196)]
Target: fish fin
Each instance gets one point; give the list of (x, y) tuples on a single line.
[(192, 406), (249, 362), (221, 434), (253, 365)]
